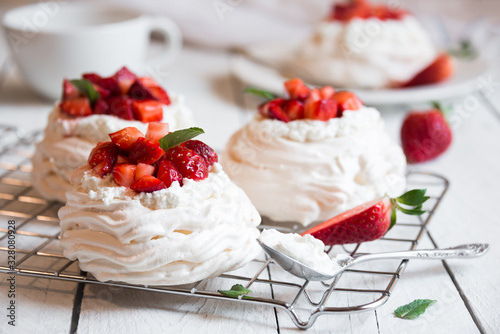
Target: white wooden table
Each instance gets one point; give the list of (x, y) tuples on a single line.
[(468, 292)]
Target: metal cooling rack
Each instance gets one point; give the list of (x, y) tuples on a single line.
[(38, 253)]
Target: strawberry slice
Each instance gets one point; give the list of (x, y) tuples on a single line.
[(347, 101), (147, 184), (123, 174), (144, 169), (126, 138), (145, 151), (294, 109), (202, 149), (156, 131), (79, 106), (425, 135), (125, 79), (188, 163), (321, 110), (368, 221), (168, 173), (297, 89), (70, 91), (121, 106), (146, 88), (103, 157), (148, 110), (438, 71), (274, 109)]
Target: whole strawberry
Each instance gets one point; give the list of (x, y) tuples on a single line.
[(425, 135)]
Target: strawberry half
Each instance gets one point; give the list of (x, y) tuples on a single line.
[(438, 71), (368, 221), (425, 135)]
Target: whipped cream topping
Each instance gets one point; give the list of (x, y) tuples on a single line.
[(68, 142), (306, 170), (173, 236), (305, 249), (365, 53)]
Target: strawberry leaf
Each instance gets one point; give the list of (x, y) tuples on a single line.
[(414, 212), (236, 291), (260, 93), (87, 89), (178, 137), (414, 309), (413, 197)]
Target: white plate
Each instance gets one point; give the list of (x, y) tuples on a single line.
[(266, 76)]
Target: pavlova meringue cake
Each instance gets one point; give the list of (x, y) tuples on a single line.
[(149, 216), (361, 45), (313, 156), (90, 109)]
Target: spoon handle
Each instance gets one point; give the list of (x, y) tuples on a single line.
[(462, 251)]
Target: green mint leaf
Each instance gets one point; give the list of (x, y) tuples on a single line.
[(414, 309), (260, 92), (178, 137), (413, 197), (236, 291), (87, 89), (466, 50)]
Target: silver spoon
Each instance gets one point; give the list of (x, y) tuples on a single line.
[(301, 270)]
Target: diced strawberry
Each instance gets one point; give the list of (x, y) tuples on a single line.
[(326, 92), (145, 151), (274, 109), (121, 159), (440, 70), (144, 169), (146, 88), (321, 110), (294, 109), (101, 107), (168, 173), (148, 110), (121, 106), (103, 157), (125, 138), (125, 79), (349, 10), (92, 77), (188, 163), (347, 101), (156, 131), (70, 91), (79, 106), (111, 85), (147, 184), (202, 149), (366, 222), (103, 92), (314, 96), (124, 174), (383, 12), (297, 89)]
